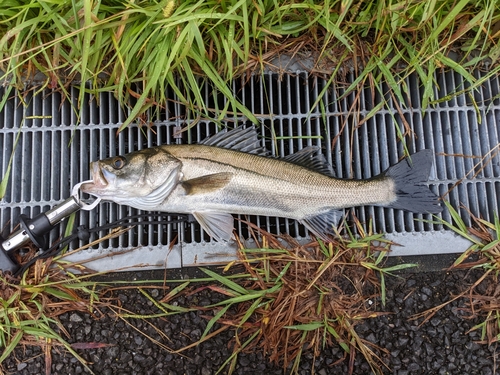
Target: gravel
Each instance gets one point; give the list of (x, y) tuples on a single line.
[(444, 344)]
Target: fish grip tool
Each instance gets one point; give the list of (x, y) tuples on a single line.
[(36, 229)]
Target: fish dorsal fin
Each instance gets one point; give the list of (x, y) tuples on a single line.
[(239, 139), (309, 158), (207, 184), (322, 225), (218, 225)]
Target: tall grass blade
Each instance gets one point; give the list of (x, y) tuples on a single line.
[(6, 176)]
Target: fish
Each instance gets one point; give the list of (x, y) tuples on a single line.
[(230, 173)]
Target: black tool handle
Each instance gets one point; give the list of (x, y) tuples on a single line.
[(35, 230), (6, 263)]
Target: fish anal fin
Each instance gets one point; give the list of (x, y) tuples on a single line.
[(218, 225), (309, 158), (207, 184), (322, 225)]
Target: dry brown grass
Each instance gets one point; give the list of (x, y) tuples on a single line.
[(297, 298)]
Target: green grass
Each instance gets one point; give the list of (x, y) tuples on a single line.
[(120, 46), (290, 299), (482, 297), (29, 308)]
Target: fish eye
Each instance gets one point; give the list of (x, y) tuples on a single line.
[(119, 162)]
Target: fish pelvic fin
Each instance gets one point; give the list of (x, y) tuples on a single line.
[(322, 225), (410, 176), (207, 184), (218, 225)]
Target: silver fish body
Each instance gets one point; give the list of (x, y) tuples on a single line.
[(226, 174)]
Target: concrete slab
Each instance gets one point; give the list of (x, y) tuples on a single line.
[(131, 259)]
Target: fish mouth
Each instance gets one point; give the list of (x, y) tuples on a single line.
[(99, 181)]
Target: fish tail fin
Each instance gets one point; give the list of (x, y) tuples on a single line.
[(410, 177)]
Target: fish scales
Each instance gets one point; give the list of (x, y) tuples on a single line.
[(299, 191)]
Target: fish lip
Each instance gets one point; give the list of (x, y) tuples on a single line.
[(99, 182), (98, 175)]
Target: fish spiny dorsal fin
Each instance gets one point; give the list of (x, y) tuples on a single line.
[(309, 158), (239, 139)]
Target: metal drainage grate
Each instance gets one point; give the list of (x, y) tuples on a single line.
[(55, 149)]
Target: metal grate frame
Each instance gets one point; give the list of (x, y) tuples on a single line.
[(55, 148)]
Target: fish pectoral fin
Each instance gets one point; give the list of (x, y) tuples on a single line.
[(322, 225), (218, 225), (207, 184)]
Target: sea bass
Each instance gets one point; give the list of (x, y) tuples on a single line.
[(229, 174)]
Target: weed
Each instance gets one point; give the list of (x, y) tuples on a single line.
[(31, 303), (481, 297), (138, 48), (293, 298), (30, 307)]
